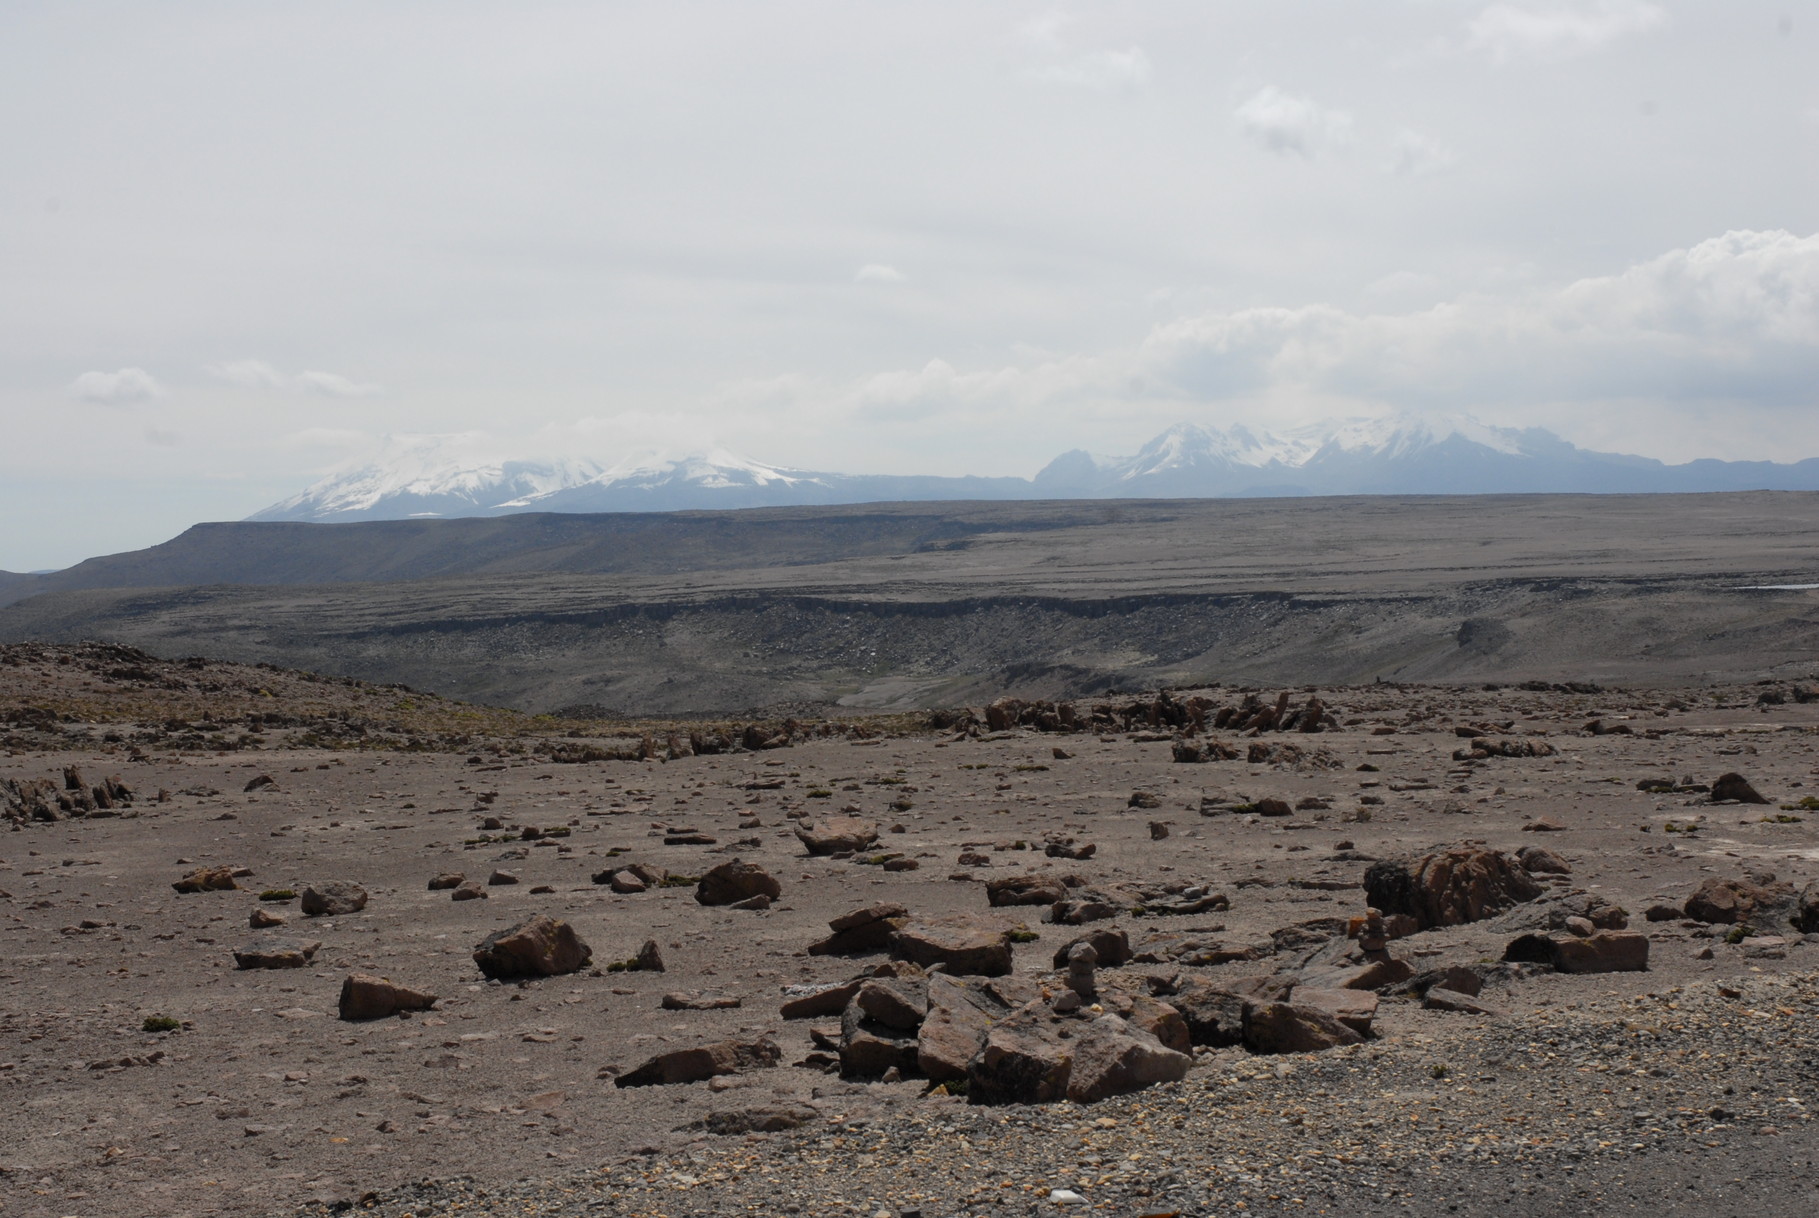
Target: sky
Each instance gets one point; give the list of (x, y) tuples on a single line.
[(242, 242)]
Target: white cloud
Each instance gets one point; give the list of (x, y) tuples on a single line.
[(249, 373), (1415, 155), (1288, 123), (120, 388), (878, 272), (1106, 71), (1043, 33), (1514, 31), (333, 385), (257, 374)]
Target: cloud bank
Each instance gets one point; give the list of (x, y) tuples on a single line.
[(1731, 319)]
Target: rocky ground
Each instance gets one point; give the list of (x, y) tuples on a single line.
[(1685, 1088)]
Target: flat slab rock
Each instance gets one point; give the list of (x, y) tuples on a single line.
[(962, 947), (274, 953), (701, 1063)]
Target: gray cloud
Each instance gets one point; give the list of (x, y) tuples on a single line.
[(1289, 123)]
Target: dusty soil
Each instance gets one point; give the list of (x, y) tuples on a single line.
[(1687, 1088)]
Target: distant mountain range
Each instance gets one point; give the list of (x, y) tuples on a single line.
[(1401, 455)]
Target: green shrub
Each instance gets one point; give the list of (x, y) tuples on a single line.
[(160, 1023)]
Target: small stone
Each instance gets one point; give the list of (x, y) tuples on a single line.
[(699, 1002), (368, 997), (275, 954), (448, 879), (207, 879), (500, 879), (468, 890)]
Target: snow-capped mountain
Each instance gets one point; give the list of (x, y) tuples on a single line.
[(431, 476), (1397, 454)]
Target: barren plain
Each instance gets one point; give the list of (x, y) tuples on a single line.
[(1687, 1088), (903, 606)]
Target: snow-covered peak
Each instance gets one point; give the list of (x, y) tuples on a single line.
[(1401, 435), (461, 468), (464, 475)]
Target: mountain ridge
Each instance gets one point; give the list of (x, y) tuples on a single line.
[(453, 476)]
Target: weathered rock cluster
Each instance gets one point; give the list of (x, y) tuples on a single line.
[(47, 799), (1165, 712)]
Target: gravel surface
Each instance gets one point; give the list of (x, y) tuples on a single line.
[(1682, 1101)]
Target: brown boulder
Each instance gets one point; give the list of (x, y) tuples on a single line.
[(1283, 1027), (1465, 884), (828, 1000), (960, 1014), (899, 1004), (1084, 905), (1025, 890), (1021, 1061), (1353, 1008), (332, 898), (836, 834), (1111, 945), (861, 931), (679, 1001), (1152, 1017), (448, 879), (1114, 1057), (367, 997), (704, 1062), (736, 881), (1442, 999), (1605, 951), (539, 946), (273, 953), (469, 890), (262, 918), (1736, 787), (961, 946), (1730, 901), (1213, 1016), (869, 1047), (1806, 916), (207, 879), (1539, 860)]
